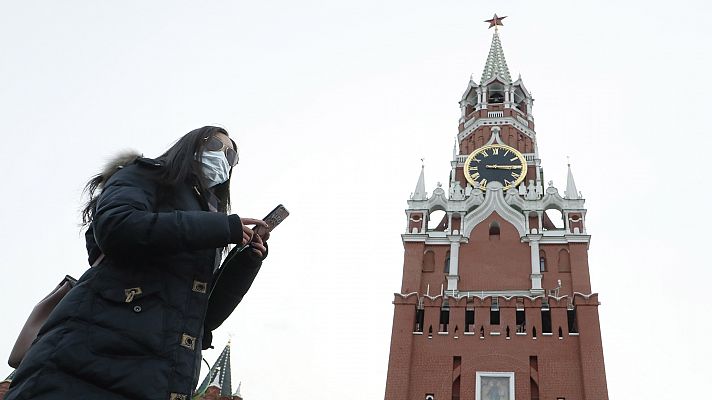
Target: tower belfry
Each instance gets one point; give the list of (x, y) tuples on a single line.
[(516, 316)]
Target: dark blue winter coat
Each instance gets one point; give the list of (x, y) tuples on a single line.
[(134, 325)]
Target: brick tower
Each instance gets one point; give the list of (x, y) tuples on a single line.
[(496, 300)]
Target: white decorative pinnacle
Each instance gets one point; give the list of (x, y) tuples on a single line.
[(216, 380), (419, 193), (571, 192), (496, 65)]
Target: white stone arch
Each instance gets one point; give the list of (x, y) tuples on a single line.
[(492, 79), (552, 199), (494, 201)]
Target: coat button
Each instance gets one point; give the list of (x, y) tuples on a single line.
[(200, 287), (187, 341), (137, 309)]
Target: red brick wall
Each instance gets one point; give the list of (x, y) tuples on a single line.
[(570, 366), (509, 135), (503, 264)]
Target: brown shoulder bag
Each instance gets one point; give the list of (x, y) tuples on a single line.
[(37, 318)]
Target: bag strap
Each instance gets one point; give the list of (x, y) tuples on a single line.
[(98, 260)]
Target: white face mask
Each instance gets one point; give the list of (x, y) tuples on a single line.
[(216, 169)]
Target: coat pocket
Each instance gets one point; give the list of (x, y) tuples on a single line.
[(128, 322)]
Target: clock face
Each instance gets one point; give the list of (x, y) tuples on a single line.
[(495, 162)]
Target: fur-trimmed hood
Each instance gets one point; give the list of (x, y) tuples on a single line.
[(97, 182), (117, 162)]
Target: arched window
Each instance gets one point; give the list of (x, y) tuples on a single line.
[(446, 267), (429, 261), (494, 231), (564, 261), (553, 219), (542, 261), (437, 220), (495, 93)]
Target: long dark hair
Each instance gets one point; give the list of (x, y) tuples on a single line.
[(181, 164)]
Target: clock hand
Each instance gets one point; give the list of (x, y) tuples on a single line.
[(495, 166)]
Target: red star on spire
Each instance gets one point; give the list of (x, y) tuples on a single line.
[(495, 21)]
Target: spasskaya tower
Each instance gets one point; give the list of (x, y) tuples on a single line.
[(496, 301)]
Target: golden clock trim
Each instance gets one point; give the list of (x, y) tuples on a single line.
[(522, 162)]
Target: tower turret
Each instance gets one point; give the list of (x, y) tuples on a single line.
[(219, 375)]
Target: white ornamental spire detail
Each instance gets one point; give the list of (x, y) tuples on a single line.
[(496, 65), (419, 193), (216, 380), (571, 192)]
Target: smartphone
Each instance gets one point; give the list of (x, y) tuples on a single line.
[(274, 218)]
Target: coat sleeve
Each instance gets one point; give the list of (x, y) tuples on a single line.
[(237, 274), (125, 220)]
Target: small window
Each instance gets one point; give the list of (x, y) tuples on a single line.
[(469, 320), (545, 320), (542, 264), (494, 231), (572, 322), (446, 267), (444, 317), (521, 322), (494, 312), (419, 318)]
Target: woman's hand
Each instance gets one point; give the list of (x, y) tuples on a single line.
[(247, 232), (258, 246)]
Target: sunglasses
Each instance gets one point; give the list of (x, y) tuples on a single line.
[(214, 144)]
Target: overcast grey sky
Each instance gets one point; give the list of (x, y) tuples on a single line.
[(333, 104)]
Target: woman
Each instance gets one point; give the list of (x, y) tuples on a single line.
[(135, 324)]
